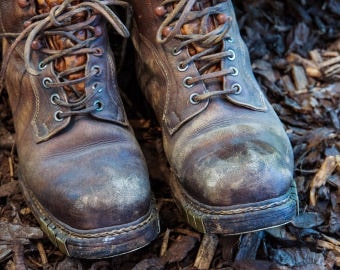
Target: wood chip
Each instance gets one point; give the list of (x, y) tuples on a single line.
[(308, 220), (328, 245), (313, 72), (206, 251), (300, 78), (326, 169), (165, 242), (288, 84), (315, 56), (10, 232), (249, 244), (42, 252), (9, 189)]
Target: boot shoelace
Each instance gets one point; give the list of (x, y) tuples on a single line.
[(57, 23), (176, 14)]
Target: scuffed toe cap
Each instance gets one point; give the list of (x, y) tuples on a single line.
[(97, 188), (242, 177), (241, 168)]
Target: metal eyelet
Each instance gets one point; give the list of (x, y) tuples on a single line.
[(98, 52), (230, 39), (42, 66), (99, 105), (53, 98), (185, 82), (237, 87), (232, 56), (57, 116), (192, 99), (96, 69), (46, 81), (235, 71), (175, 52), (181, 67), (96, 87)]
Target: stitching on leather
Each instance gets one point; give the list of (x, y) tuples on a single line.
[(239, 210), (191, 203), (88, 235)]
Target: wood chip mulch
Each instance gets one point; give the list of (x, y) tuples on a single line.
[(295, 52)]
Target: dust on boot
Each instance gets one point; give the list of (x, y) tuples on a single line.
[(81, 170), (232, 162)]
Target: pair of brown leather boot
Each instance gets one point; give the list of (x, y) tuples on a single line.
[(81, 170)]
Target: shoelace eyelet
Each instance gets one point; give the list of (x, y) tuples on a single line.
[(54, 97), (185, 82), (192, 99), (221, 18), (96, 87), (98, 31), (232, 56), (46, 81), (36, 45), (237, 87), (175, 52), (23, 3), (182, 67), (235, 71), (57, 116), (166, 31), (98, 52), (98, 105), (96, 69), (230, 39), (160, 11), (27, 24), (42, 66)]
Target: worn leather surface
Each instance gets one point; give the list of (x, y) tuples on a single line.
[(226, 150), (87, 170)]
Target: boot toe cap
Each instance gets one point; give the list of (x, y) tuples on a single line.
[(243, 178), (238, 170), (97, 188)]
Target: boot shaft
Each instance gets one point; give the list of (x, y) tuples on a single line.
[(197, 56), (14, 14), (62, 42), (58, 64)]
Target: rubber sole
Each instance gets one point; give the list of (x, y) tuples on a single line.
[(95, 244), (237, 219)]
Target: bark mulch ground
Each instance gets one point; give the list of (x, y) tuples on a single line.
[(295, 51)]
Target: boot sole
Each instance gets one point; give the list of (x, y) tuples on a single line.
[(237, 219), (95, 244)]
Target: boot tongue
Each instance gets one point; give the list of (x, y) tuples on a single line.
[(198, 27), (61, 42), (202, 26), (44, 6), (252, 96)]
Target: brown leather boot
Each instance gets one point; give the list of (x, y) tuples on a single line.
[(231, 159), (81, 169)]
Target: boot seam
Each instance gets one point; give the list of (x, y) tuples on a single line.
[(191, 202), (51, 221)]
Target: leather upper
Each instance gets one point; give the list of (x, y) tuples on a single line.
[(77, 154), (230, 147)]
